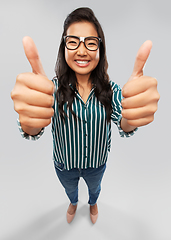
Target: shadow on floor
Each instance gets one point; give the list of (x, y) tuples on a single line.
[(111, 224), (51, 225), (116, 224), (44, 225)]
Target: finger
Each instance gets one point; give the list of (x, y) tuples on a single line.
[(139, 100), (40, 99), (141, 58), (134, 87), (32, 55), (35, 112), (137, 113), (35, 98), (36, 82), (34, 122), (141, 122)]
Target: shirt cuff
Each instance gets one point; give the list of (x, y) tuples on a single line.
[(121, 132), (27, 136)]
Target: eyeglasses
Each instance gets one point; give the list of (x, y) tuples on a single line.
[(73, 42)]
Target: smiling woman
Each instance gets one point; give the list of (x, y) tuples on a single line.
[(83, 106), (82, 67)]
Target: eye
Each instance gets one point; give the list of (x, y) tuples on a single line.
[(71, 42), (92, 43)]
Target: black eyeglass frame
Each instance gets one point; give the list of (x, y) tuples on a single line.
[(82, 39)]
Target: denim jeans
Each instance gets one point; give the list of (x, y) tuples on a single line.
[(70, 179)]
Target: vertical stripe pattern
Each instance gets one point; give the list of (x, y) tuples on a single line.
[(85, 144)]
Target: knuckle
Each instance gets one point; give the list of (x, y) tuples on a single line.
[(51, 101), (124, 92), (158, 96), (24, 120), (151, 118), (48, 121), (126, 114), (18, 108), (153, 82), (50, 87), (19, 78), (153, 108), (123, 102), (12, 94), (51, 112)]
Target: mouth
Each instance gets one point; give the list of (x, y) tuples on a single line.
[(82, 63)]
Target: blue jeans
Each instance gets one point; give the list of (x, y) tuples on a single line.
[(92, 177)]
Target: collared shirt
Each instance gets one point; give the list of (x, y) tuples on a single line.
[(84, 142)]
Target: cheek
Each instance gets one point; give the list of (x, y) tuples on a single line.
[(69, 57), (97, 57)]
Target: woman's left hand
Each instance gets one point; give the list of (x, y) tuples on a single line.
[(140, 92)]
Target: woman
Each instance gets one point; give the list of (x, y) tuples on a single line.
[(83, 104)]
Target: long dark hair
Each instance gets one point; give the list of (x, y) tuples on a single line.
[(66, 75)]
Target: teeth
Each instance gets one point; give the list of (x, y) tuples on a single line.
[(82, 62)]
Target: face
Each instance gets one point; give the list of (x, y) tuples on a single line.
[(81, 60)]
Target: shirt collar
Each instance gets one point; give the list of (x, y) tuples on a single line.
[(78, 95)]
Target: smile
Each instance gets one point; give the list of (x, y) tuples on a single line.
[(82, 63)]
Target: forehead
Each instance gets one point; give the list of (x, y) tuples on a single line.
[(82, 29)]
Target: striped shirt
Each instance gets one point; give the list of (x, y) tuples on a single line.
[(86, 142)]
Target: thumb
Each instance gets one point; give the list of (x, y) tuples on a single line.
[(32, 55), (141, 58)]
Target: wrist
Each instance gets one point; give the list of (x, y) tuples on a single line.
[(126, 127), (30, 131)]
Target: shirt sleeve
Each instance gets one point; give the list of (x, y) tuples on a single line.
[(116, 115), (27, 136)]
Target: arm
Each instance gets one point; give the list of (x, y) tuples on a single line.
[(140, 93), (28, 136), (33, 94), (125, 129)]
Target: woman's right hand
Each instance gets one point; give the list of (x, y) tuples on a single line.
[(33, 93)]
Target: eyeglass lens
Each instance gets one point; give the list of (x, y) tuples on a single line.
[(91, 43)]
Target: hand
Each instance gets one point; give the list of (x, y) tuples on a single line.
[(32, 93), (140, 92)]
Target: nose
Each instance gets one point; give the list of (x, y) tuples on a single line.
[(81, 50)]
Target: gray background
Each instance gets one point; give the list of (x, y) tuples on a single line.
[(136, 195)]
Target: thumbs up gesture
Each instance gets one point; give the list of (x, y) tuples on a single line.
[(33, 93), (140, 92)]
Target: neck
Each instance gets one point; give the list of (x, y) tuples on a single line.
[(83, 80)]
